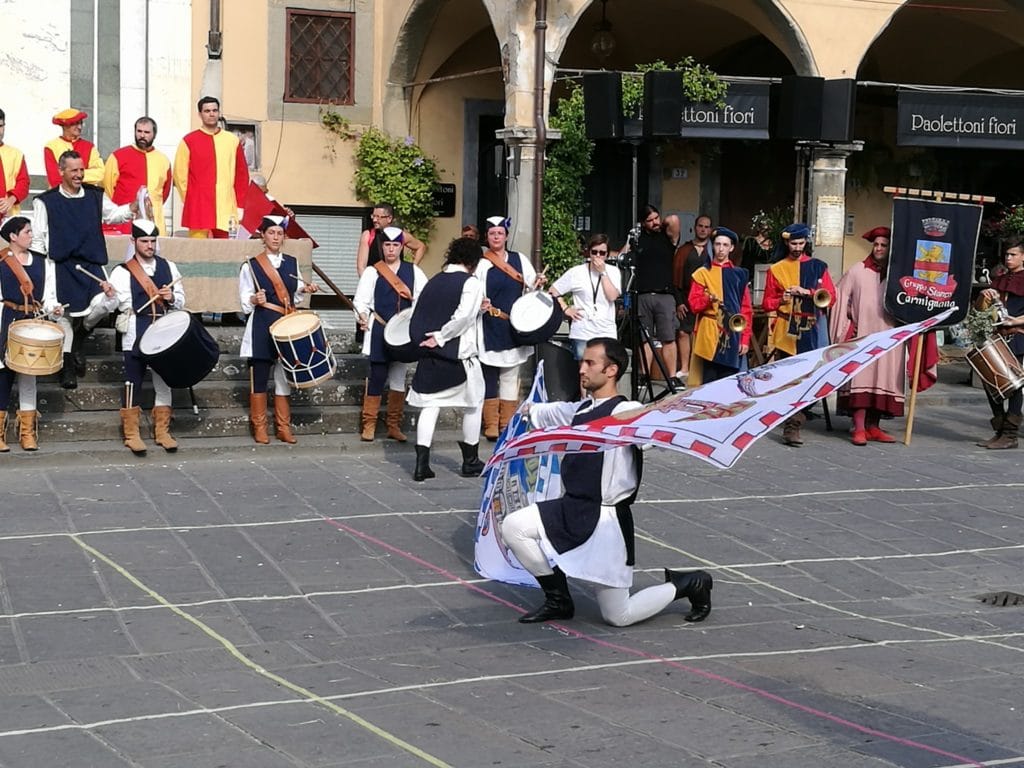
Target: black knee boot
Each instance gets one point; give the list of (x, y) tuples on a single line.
[(696, 587), (557, 600), (423, 470), (68, 375), (471, 464)]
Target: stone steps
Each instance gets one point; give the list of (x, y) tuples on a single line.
[(90, 412)]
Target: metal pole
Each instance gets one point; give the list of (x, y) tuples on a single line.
[(540, 128)]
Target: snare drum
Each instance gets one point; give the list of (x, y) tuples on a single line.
[(997, 366), (303, 349), (535, 317), (34, 347), (396, 339), (179, 348)]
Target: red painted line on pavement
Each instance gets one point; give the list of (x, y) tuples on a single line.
[(654, 657)]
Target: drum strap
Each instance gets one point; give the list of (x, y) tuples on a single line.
[(275, 280), (393, 280), (24, 281), (495, 312), (145, 281), (504, 266)]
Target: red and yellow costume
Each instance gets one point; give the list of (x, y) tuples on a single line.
[(90, 156), (13, 176), (212, 178), (129, 168)]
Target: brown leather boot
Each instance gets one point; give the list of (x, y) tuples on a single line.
[(791, 432), (3, 432), (283, 419), (490, 416), (27, 431), (1008, 436), (396, 407), (258, 417), (371, 407), (506, 408), (161, 416), (997, 426), (130, 427)]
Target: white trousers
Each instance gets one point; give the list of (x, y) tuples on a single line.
[(508, 383), (427, 423), (523, 530)]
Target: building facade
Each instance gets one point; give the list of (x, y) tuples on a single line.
[(458, 77)]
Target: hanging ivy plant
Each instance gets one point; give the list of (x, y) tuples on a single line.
[(568, 163), (700, 84)]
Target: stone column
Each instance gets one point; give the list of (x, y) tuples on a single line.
[(521, 143), (826, 200)]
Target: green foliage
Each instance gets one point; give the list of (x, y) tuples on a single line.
[(568, 162), (700, 84), (336, 126), (772, 222), (398, 172)]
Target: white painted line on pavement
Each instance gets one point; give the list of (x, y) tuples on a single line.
[(582, 668)]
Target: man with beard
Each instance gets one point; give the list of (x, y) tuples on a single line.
[(138, 166), (689, 257), (588, 531), (659, 300), (877, 390), (1008, 288), (800, 325)]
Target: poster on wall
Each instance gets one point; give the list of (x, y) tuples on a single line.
[(931, 259)]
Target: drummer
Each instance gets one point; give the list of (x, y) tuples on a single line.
[(505, 276), (594, 286), (269, 287), (143, 288), (384, 290), (26, 276), (1009, 289)]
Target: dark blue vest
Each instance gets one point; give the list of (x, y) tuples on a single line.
[(503, 291), (387, 303), (161, 277), (262, 346), (441, 369), (811, 272), (570, 520), (734, 283)]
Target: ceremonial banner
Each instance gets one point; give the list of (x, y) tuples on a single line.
[(510, 486), (717, 422), (931, 258)]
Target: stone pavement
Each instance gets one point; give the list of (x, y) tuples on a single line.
[(312, 606)]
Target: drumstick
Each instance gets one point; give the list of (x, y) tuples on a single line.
[(169, 285), (85, 271)]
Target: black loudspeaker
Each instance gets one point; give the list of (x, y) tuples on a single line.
[(838, 109), (663, 104), (800, 105), (602, 105)]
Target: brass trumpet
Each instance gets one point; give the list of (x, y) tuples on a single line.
[(737, 323), (822, 298)]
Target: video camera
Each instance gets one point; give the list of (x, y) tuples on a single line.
[(627, 260)]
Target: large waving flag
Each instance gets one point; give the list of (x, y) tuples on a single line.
[(717, 422), (510, 486)]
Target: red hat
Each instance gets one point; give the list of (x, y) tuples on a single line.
[(877, 232), (69, 116)]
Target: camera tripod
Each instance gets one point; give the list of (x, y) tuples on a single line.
[(640, 340)]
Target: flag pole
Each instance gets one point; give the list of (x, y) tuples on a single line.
[(919, 341)]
